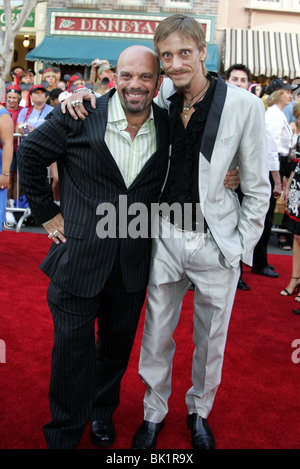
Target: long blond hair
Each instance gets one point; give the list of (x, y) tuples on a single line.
[(184, 26), (274, 97)]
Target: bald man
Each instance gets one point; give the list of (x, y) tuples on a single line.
[(119, 152)]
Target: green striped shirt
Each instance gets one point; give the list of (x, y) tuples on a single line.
[(130, 155)]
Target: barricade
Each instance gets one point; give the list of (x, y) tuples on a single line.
[(25, 211)]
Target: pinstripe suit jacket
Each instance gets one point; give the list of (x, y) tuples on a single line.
[(88, 176)]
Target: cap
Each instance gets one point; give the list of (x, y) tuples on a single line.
[(12, 89), (279, 84), (35, 88), (104, 67), (72, 79), (29, 70), (46, 70)]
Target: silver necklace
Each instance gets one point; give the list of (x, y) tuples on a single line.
[(187, 106), (200, 97)]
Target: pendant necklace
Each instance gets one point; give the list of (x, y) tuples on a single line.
[(187, 106)]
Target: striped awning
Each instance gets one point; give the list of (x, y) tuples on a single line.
[(266, 53)]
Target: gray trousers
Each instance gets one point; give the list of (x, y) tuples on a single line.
[(179, 258)]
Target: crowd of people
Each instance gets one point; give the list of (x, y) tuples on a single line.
[(29, 103), (280, 98), (260, 151)]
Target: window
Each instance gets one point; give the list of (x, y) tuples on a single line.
[(84, 2), (179, 3), (131, 2), (276, 5), (267, 4)]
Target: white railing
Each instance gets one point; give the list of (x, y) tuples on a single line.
[(26, 211)]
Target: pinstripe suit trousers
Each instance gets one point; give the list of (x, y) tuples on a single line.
[(86, 376)]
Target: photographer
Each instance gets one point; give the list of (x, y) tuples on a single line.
[(102, 75)]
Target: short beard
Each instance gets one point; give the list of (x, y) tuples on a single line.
[(182, 89), (135, 108)]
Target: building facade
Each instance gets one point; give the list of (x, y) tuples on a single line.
[(78, 32), (262, 34)]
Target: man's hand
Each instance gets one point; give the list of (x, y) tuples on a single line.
[(285, 190), (277, 184), (75, 106), (55, 229), (232, 179), (277, 191)]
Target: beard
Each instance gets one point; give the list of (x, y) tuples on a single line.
[(132, 105), (180, 89)]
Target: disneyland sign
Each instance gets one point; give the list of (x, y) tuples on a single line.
[(104, 25), (112, 25)]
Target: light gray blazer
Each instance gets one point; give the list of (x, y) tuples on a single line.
[(234, 135)]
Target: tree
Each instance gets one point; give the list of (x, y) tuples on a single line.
[(7, 36)]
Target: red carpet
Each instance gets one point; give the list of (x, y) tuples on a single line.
[(257, 405)]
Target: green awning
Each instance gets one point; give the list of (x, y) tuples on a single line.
[(80, 50), (83, 50)]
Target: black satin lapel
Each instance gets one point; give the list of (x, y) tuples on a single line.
[(213, 119)]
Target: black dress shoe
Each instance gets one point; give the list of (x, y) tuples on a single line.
[(266, 272), (242, 285), (146, 435), (102, 433), (202, 437)]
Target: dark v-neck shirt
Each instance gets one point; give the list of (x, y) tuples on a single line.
[(182, 183)]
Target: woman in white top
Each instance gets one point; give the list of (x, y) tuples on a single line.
[(279, 135)]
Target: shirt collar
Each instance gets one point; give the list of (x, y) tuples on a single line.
[(116, 112)]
